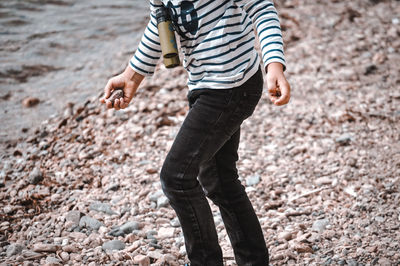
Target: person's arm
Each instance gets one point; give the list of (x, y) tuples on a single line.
[(148, 52), (142, 64), (265, 19), (129, 82)]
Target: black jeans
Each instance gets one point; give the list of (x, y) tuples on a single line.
[(202, 162)]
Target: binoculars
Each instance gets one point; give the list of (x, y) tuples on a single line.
[(166, 33)]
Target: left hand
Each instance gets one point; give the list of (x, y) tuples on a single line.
[(278, 86)]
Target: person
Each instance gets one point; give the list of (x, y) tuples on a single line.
[(225, 84)]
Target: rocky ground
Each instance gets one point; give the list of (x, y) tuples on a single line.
[(323, 172)]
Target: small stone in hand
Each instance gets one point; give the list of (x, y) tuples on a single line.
[(117, 94)]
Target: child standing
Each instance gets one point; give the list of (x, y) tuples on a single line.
[(225, 84)]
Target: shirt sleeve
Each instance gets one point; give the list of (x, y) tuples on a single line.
[(148, 52), (265, 18)]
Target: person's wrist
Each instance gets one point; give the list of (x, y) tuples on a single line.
[(131, 75), (275, 67)]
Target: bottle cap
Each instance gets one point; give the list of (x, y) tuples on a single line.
[(162, 15), (171, 62)]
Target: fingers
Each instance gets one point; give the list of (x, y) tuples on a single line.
[(116, 104), (112, 84), (278, 89), (122, 103), (107, 91), (109, 104), (273, 89), (285, 91), (129, 92)]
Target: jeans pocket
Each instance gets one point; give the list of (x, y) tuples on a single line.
[(216, 97), (249, 103)]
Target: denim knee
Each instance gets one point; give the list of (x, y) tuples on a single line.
[(166, 177)]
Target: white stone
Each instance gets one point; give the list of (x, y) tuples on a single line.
[(166, 232)]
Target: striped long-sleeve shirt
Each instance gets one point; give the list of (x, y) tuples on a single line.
[(217, 39)]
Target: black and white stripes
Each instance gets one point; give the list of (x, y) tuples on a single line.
[(217, 40)]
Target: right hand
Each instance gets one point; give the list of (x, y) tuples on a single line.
[(129, 82)]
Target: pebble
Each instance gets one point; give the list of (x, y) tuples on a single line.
[(154, 196), (65, 242), (64, 256), (154, 255), (26, 253), (135, 245), (14, 249), (113, 245), (302, 248), (30, 102), (58, 240), (162, 202), (89, 222), (8, 209), (253, 180), (125, 229), (285, 235), (351, 262), (55, 197), (74, 216), (166, 232), (113, 187), (385, 262), (175, 222), (3, 177), (344, 139), (323, 181), (40, 247), (35, 176), (73, 248), (52, 261), (102, 207), (320, 225), (78, 236), (338, 131), (142, 260)]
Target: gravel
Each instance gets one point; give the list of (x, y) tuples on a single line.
[(328, 163)]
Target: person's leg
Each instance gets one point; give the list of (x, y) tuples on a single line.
[(219, 179), (214, 116), (195, 141)]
